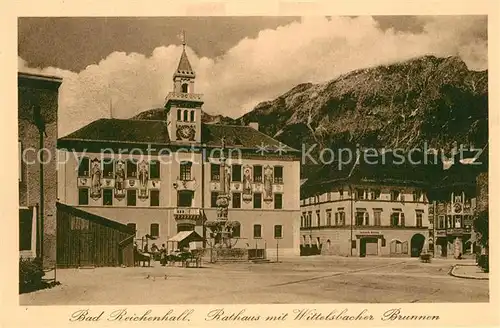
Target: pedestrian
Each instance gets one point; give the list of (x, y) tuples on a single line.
[(163, 255)]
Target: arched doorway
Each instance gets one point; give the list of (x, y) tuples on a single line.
[(417, 244)]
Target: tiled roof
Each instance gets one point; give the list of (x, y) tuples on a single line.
[(119, 130), (155, 132)]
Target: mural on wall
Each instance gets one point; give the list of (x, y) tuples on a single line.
[(228, 179), (120, 180), (95, 179), (143, 180), (247, 183), (268, 184)]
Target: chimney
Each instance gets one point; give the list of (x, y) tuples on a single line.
[(254, 125)]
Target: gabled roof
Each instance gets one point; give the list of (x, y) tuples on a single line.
[(155, 132)]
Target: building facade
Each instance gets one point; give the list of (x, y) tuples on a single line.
[(37, 138), (162, 177), (457, 198), (355, 212)]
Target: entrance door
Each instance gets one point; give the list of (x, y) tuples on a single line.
[(362, 247), (371, 246), (417, 244)]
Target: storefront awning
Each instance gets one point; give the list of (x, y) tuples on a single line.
[(192, 235)]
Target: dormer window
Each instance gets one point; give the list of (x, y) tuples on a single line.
[(184, 88)]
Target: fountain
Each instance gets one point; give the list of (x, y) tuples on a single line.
[(222, 228)]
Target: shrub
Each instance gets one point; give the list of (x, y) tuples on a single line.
[(483, 262), (30, 275)]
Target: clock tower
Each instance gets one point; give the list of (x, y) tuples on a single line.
[(183, 106)]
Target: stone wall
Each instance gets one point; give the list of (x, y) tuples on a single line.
[(35, 93)]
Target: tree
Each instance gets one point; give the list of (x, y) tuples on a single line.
[(481, 228)]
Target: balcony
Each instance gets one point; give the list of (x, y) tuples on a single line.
[(187, 215), (182, 185), (184, 96)]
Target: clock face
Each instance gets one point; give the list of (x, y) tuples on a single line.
[(186, 132), (457, 207)]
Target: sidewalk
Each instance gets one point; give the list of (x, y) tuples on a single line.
[(468, 272)]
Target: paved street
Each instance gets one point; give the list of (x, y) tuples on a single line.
[(295, 280)]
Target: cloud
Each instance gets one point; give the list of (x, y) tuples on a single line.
[(254, 70)]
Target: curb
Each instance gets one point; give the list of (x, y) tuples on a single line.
[(452, 273)]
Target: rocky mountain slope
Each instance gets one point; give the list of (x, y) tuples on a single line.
[(160, 114), (427, 100), (430, 100)]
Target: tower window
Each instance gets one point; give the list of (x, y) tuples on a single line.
[(179, 115), (185, 114), (192, 116), (184, 88)]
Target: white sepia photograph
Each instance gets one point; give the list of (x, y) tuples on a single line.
[(177, 160)]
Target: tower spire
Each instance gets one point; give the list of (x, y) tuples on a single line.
[(184, 68)]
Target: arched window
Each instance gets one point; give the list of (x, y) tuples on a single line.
[(185, 115), (179, 115), (184, 87), (192, 116)]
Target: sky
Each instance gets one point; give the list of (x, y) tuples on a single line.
[(127, 63)]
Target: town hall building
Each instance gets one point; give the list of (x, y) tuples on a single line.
[(162, 177)]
